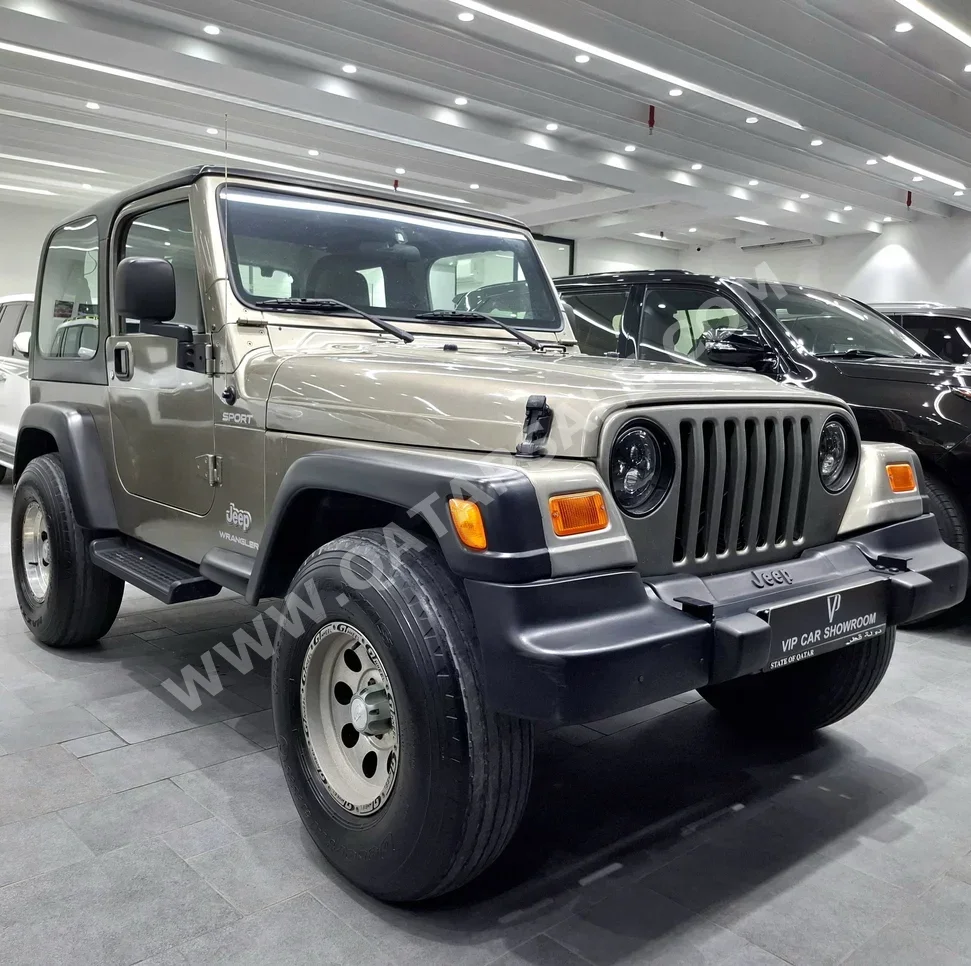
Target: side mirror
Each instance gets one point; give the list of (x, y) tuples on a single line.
[(21, 343), (145, 290), (736, 347)]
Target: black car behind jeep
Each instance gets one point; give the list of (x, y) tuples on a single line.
[(900, 391)]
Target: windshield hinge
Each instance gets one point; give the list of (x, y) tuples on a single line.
[(211, 468)]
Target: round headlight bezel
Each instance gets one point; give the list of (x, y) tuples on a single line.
[(666, 467), (838, 483)]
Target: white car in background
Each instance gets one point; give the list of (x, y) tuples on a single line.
[(16, 312)]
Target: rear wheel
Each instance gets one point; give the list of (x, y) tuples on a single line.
[(65, 600), (806, 696), (407, 782)]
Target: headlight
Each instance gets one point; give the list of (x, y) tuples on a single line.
[(837, 455), (640, 469)]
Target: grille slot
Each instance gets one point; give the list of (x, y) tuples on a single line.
[(744, 485)]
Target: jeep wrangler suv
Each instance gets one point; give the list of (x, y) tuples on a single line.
[(297, 390)]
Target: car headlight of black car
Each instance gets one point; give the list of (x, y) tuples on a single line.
[(838, 454), (641, 467)]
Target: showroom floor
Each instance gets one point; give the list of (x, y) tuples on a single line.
[(135, 831)]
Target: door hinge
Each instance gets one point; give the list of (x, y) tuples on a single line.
[(210, 359), (210, 468)]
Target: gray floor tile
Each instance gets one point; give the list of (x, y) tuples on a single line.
[(43, 780), (108, 682), (296, 932), (132, 816), (540, 951), (150, 761), (201, 837), (111, 911), (944, 915), (171, 957), (258, 871), (152, 713), (16, 672), (896, 946), (37, 845), (823, 918), (257, 727), (248, 794), (93, 744), (48, 728), (12, 705)]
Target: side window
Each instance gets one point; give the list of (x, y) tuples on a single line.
[(950, 338), (69, 288), (674, 320), (10, 316), (167, 233), (598, 319)]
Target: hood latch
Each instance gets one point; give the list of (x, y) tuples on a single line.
[(536, 428)]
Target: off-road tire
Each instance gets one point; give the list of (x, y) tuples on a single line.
[(82, 600), (464, 771), (803, 697), (951, 519)]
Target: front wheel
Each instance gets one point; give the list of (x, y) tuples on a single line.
[(65, 600), (804, 697), (407, 782)]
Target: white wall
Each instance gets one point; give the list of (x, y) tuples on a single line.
[(22, 232), (605, 255), (925, 260)]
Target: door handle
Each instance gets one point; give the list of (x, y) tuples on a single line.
[(122, 357)]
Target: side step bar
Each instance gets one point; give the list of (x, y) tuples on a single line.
[(170, 579)]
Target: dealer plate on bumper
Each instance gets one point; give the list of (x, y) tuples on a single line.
[(812, 626)]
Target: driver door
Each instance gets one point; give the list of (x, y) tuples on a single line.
[(161, 415)]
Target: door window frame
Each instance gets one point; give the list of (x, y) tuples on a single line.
[(608, 289)]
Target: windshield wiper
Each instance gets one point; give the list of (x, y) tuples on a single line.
[(328, 306), (459, 314), (860, 354)]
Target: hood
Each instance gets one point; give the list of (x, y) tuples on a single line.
[(929, 372), (469, 399)]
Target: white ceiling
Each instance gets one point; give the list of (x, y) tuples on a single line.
[(835, 70)]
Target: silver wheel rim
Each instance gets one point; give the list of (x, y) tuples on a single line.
[(349, 718), (35, 551)]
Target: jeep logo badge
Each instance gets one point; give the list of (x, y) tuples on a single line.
[(239, 518), (771, 578)]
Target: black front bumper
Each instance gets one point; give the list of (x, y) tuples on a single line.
[(583, 648)]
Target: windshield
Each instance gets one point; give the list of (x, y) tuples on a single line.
[(823, 325), (390, 263)]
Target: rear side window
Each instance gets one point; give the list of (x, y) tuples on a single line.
[(69, 294), (950, 338), (10, 315), (598, 319)]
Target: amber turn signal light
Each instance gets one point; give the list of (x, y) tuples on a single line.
[(575, 513), (901, 476), (467, 519)]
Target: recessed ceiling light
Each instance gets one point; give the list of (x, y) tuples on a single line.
[(461, 101), (692, 230), (804, 196), (51, 164), (697, 166), (905, 26), (888, 218), (581, 45), (93, 106), (751, 120), (847, 207), (872, 161), (212, 30), (212, 130), (751, 221), (86, 186), (466, 16), (399, 170), (967, 69), (647, 234), (630, 148), (675, 92), (816, 142), (958, 194), (27, 191), (552, 126), (918, 177), (167, 244), (924, 172), (349, 69), (582, 58), (932, 16), (474, 186), (753, 183), (313, 152)]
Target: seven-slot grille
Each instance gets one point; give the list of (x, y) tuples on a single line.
[(744, 485)]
